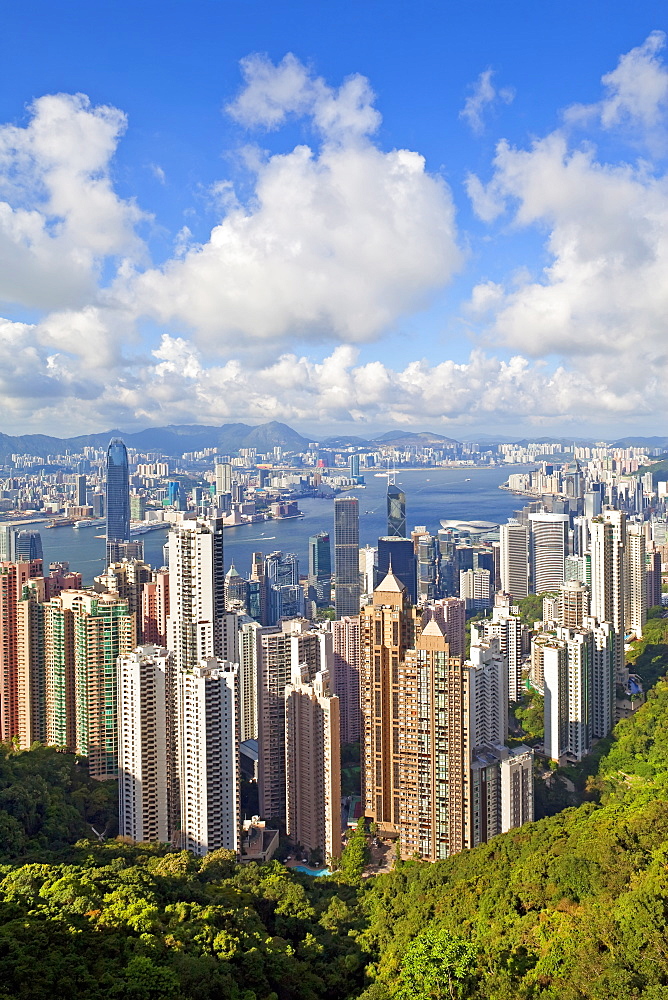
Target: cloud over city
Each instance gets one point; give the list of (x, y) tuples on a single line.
[(338, 247)]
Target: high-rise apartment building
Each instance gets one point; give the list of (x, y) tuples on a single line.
[(389, 628), (313, 763), (117, 497), (431, 750), (320, 566), (608, 597), (282, 651), (346, 554), (397, 556), (514, 538), (574, 603), (250, 654), (146, 743), (223, 472), (196, 590), (208, 756), (396, 512), (103, 630), (635, 589), (548, 547), (450, 613), (127, 579), (155, 609), (13, 576), (345, 675)]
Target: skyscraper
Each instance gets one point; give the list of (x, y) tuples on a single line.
[(346, 675), (12, 578), (281, 652), (388, 629), (208, 755), (548, 548), (117, 503), (346, 551), (397, 555), (635, 590), (514, 559), (320, 567), (197, 590), (313, 763), (396, 511), (145, 743)]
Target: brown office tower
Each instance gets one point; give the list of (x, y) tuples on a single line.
[(389, 628), (434, 750)]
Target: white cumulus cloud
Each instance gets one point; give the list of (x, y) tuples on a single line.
[(484, 95)]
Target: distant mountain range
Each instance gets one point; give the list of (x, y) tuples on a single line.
[(229, 438)]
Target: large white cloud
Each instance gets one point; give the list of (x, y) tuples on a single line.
[(601, 302), (60, 217), (339, 241)]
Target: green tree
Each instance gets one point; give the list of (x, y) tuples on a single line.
[(437, 966)]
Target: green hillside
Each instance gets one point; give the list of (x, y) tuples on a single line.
[(573, 906)]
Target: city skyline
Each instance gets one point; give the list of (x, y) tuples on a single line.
[(404, 221)]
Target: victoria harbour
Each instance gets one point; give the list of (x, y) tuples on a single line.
[(431, 496)]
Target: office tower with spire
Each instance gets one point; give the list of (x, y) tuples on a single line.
[(346, 554), (514, 539), (208, 756), (236, 591), (145, 744), (313, 763), (389, 628), (548, 547), (13, 576), (197, 590), (117, 499), (396, 511), (103, 630)]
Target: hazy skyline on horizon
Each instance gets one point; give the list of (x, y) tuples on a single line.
[(351, 218)]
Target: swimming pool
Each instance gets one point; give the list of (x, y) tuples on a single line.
[(315, 872)]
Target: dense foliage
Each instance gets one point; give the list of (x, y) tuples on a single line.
[(573, 907)]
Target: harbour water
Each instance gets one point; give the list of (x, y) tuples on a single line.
[(431, 495)]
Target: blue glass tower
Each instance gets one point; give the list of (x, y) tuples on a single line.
[(118, 492)]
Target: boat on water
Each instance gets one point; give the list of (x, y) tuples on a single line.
[(89, 523)]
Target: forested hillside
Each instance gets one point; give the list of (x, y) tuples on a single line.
[(574, 906)]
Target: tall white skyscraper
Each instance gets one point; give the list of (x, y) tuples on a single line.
[(250, 651), (515, 559), (608, 599), (487, 693), (548, 549), (208, 753), (197, 598), (509, 631), (635, 590), (282, 651), (145, 743)]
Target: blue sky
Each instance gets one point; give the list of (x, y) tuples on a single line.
[(348, 216)]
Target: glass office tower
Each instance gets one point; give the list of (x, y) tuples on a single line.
[(118, 493), (396, 512), (346, 555)]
